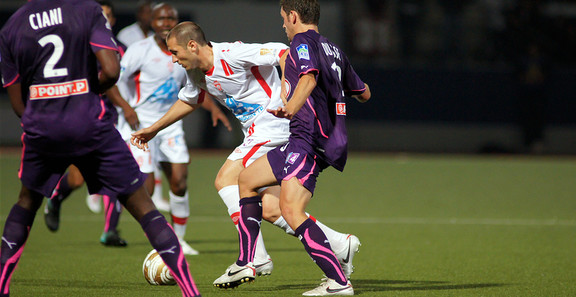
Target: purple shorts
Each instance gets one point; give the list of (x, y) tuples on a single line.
[(107, 170), (294, 160)]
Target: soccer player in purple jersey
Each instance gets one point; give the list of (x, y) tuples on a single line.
[(317, 77), (73, 179), (50, 50)]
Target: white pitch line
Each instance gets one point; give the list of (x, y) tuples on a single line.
[(455, 221), (384, 221)]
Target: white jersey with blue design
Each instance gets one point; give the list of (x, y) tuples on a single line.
[(149, 81), (245, 80)]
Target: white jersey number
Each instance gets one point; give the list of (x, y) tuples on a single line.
[(338, 70), (49, 70)]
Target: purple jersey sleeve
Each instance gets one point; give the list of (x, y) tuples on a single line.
[(306, 61), (8, 65), (101, 37)]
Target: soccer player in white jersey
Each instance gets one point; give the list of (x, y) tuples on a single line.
[(150, 82), (243, 78)]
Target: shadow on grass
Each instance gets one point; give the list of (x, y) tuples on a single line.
[(365, 286)]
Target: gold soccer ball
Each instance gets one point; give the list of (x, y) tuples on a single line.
[(155, 271)]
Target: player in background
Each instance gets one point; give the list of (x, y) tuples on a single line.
[(243, 78), (73, 178), (51, 50), (150, 82), (317, 76), (135, 32), (141, 29)]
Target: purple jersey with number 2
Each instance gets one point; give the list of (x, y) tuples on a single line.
[(320, 122), (48, 46)]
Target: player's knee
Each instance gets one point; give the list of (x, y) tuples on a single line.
[(270, 213), (244, 181), (179, 188), (219, 183), (75, 183)]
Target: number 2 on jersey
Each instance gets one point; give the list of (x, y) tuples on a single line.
[(49, 70)]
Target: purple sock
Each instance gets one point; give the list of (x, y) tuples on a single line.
[(16, 230), (249, 227), (62, 191), (164, 240), (112, 210), (318, 247)]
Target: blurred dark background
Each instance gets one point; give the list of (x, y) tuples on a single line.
[(455, 76)]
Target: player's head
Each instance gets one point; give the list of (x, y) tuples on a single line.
[(308, 10), (184, 42), (144, 13), (299, 12), (164, 18), (108, 10)]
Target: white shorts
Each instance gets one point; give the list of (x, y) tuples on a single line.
[(255, 147), (143, 158), (169, 145)]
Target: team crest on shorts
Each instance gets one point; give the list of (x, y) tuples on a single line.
[(292, 157)]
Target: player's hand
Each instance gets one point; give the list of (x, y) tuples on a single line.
[(218, 115), (141, 138), (281, 112), (131, 118)]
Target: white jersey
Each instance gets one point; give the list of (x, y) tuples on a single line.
[(149, 81), (132, 34), (245, 80)]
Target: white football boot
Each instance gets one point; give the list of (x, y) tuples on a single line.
[(187, 249), (264, 268), (160, 202), (331, 288), (236, 275), (94, 203), (346, 256)]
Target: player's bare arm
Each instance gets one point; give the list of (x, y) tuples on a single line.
[(15, 94), (110, 69), (216, 112), (178, 111), (129, 113), (365, 96), (306, 84), (282, 62)]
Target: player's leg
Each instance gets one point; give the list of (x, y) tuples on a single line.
[(157, 194), (112, 211), (39, 176), (177, 174), (16, 230), (118, 173), (293, 201), (257, 175), (345, 246), (67, 184), (226, 184), (162, 237)]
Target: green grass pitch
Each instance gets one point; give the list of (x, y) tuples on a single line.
[(430, 225)]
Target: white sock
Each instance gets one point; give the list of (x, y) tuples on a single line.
[(231, 197), (337, 239), (157, 195), (180, 211), (282, 224)]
